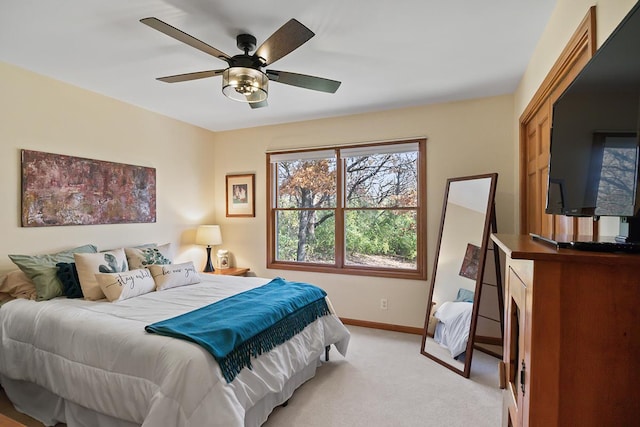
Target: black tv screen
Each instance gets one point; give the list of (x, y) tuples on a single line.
[(593, 167)]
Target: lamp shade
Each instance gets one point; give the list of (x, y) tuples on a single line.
[(245, 84), (208, 235)]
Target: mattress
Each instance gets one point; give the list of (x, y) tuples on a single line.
[(95, 356)]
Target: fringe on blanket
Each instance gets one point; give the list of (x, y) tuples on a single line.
[(270, 338)]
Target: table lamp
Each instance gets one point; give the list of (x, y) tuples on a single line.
[(208, 235)]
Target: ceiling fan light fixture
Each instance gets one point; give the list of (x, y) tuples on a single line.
[(245, 84), (244, 81)]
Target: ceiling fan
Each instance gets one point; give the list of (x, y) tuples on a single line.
[(244, 79)]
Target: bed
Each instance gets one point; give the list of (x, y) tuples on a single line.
[(91, 363), (454, 323)]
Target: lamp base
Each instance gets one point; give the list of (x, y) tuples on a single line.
[(208, 268)]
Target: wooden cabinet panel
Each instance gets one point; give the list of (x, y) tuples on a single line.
[(534, 216), (515, 358), (571, 336)]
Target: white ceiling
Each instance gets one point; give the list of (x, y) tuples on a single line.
[(387, 54)]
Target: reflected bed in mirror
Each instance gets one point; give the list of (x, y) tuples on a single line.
[(466, 289)]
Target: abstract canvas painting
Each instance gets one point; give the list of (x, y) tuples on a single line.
[(66, 190)]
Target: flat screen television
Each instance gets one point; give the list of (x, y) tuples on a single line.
[(594, 162)]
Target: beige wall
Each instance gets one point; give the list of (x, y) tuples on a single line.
[(39, 113), (464, 138)]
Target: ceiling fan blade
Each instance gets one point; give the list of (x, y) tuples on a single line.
[(285, 40), (304, 81), (179, 35), (190, 76), (258, 104)]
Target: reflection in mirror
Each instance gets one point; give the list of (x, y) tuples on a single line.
[(489, 332), (457, 277)]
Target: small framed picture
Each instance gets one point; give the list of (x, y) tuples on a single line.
[(241, 195), (471, 262)]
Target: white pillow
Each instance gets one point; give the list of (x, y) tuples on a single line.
[(174, 275), (125, 285), (88, 265), (143, 256)]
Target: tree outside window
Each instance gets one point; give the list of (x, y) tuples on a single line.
[(352, 210)]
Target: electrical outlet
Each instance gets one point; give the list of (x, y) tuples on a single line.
[(383, 303)]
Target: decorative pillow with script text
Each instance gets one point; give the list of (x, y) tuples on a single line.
[(127, 284), (174, 275)]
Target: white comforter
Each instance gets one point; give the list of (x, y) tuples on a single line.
[(455, 322), (98, 355)]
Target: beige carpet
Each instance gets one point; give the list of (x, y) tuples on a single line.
[(385, 381)]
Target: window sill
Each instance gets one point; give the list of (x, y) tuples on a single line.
[(351, 270)]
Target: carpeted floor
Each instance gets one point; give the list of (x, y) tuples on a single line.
[(383, 381)]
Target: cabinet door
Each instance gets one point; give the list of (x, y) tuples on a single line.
[(535, 131), (516, 407), (537, 148)]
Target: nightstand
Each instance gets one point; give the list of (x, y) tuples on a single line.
[(231, 271)]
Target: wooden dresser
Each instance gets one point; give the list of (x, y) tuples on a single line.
[(572, 336)]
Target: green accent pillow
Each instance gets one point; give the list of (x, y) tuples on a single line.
[(42, 270)]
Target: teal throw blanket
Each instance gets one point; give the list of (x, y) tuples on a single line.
[(248, 324)]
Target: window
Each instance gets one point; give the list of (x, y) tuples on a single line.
[(352, 210)]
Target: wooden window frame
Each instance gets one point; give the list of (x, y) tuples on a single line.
[(339, 267)]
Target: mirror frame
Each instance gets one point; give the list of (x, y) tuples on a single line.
[(489, 227)]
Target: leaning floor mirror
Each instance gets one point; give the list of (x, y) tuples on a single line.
[(463, 267)]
